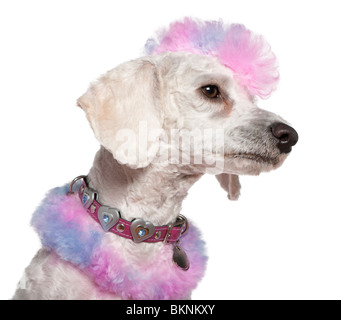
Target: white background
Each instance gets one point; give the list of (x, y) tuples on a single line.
[(282, 239)]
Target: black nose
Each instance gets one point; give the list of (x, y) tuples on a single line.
[(286, 136)]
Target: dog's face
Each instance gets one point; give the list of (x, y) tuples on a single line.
[(202, 97), (186, 109)]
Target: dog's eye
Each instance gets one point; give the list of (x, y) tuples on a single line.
[(210, 91)]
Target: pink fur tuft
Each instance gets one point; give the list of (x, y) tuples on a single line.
[(247, 54)]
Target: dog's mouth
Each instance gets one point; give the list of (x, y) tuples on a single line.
[(253, 163), (274, 161)]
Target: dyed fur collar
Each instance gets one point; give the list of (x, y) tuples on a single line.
[(64, 227)]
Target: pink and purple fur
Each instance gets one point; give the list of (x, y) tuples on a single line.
[(247, 54), (65, 227)]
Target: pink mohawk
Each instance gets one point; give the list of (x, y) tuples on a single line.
[(247, 54)]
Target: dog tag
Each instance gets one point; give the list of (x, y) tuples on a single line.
[(180, 257)]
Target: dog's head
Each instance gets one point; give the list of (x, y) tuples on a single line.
[(192, 109)]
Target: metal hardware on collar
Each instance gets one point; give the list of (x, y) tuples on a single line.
[(180, 257), (108, 217), (92, 208), (141, 230), (137, 230), (157, 235), (88, 197), (120, 227), (70, 192), (183, 221)]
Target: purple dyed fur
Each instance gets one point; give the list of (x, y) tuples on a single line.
[(65, 227)]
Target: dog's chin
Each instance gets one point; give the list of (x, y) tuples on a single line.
[(252, 164), (246, 164)]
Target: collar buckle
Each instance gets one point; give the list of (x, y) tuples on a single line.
[(181, 221)]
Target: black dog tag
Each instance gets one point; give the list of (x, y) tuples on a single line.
[(180, 258)]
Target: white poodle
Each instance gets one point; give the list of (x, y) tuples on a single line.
[(186, 108)]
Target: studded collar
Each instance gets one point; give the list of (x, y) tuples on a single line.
[(137, 230)]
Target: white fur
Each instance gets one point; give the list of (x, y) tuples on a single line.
[(163, 92)]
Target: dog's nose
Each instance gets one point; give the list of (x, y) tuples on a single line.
[(286, 136)]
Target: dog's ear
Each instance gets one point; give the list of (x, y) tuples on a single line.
[(124, 111), (230, 183)]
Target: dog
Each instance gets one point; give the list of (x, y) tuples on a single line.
[(186, 108)]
